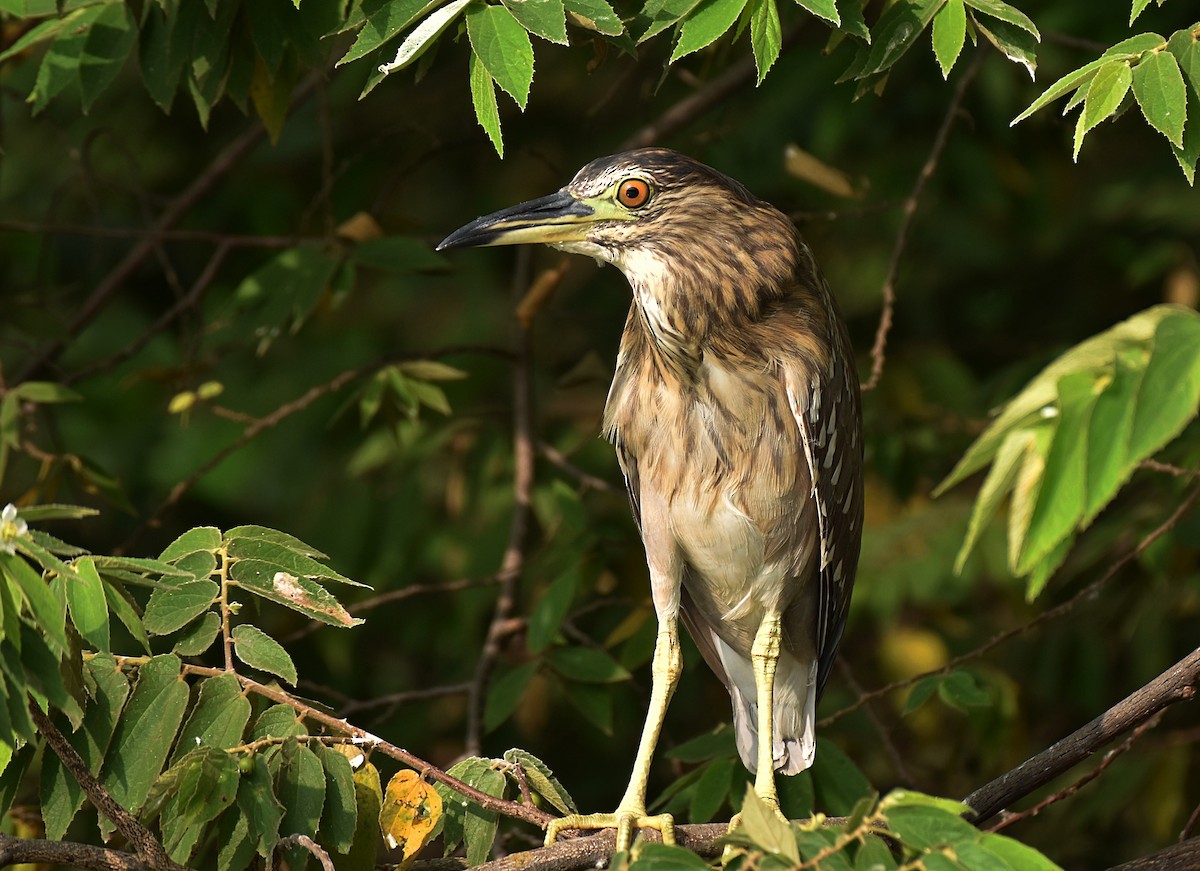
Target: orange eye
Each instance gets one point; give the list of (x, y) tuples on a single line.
[(633, 193)]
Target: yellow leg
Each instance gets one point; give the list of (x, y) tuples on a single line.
[(631, 812), (764, 657)]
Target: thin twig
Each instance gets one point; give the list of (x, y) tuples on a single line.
[(227, 240), (298, 840), (888, 292), (407, 697), (1066, 607), (146, 845), (1190, 825), (885, 738), (1007, 819), (518, 532), (560, 460)]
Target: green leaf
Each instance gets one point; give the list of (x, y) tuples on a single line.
[(287, 559), (925, 827), (27, 586), (237, 846), (1062, 495), (88, 605), (838, 782), (384, 25), (652, 856), (368, 799), (423, 35), (711, 745), (544, 18), (658, 15), (300, 786), (766, 36), (298, 593), (1187, 53), (172, 608), (895, 32), (949, 34), (1104, 95), (483, 98), (287, 287), (594, 702), (199, 636), (1004, 12), (207, 784), (1016, 854), (826, 9), (1015, 42), (705, 24), (1160, 90), (1137, 9), (503, 46), (586, 664), (1170, 388), (259, 650), (278, 721), (542, 780), (206, 538), (597, 15), (161, 56), (62, 796), (218, 719), (258, 804), (87, 55), (146, 731), (505, 694), (339, 819), (53, 511), (245, 534), (551, 609), (960, 690), (912, 798), (920, 693), (711, 789), (766, 829), (479, 826)]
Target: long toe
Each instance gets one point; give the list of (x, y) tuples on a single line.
[(625, 822)]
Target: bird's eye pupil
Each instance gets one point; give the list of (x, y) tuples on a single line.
[(633, 193)]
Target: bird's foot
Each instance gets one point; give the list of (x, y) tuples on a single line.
[(625, 821), (772, 805)]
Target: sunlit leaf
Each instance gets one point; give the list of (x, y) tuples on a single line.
[(259, 650), (503, 46), (949, 34), (410, 810), (1160, 90), (705, 24)]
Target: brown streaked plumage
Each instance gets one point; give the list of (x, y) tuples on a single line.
[(735, 414)]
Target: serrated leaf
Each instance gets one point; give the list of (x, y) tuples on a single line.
[(411, 808), (259, 650), (895, 32), (121, 605), (544, 18), (422, 36), (339, 819), (658, 15), (597, 15), (949, 34), (27, 587), (146, 731), (258, 803), (298, 593), (1004, 12), (705, 24), (172, 608), (551, 609), (542, 780), (912, 798), (218, 718), (287, 559), (1105, 93), (278, 721), (479, 826), (766, 829), (88, 605), (1014, 42), (766, 36), (252, 533), (300, 788), (960, 690), (199, 636), (53, 511), (368, 798), (385, 24), (1162, 95), (200, 538), (503, 47), (1137, 9), (826, 9), (207, 786), (925, 827)]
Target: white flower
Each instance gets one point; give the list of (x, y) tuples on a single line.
[(11, 527)]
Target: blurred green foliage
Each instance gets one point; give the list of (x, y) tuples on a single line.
[(229, 313)]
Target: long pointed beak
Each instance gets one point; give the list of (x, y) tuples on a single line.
[(556, 218)]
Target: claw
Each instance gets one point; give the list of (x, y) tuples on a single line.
[(625, 822)]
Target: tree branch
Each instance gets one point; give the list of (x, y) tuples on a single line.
[(1176, 684), (40, 852), (146, 845)]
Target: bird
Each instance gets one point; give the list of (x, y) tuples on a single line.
[(735, 414)]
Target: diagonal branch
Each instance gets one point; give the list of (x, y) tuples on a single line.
[(38, 852), (147, 847), (1177, 684)]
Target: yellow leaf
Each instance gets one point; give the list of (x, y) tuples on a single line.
[(411, 808)]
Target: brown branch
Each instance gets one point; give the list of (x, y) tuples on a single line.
[(1186, 831), (888, 292), (586, 480), (146, 845), (1007, 819), (403, 698), (375, 743), (1177, 684), (518, 531), (39, 852), (1086, 594), (298, 840), (1177, 857), (227, 240)]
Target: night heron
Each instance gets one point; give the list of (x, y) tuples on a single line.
[(735, 414)]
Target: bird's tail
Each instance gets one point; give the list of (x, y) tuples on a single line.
[(795, 744)]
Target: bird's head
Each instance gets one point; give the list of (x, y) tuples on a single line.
[(645, 210)]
